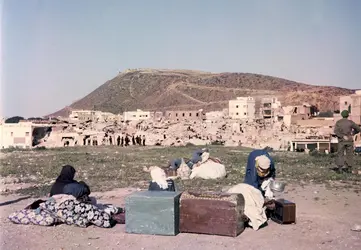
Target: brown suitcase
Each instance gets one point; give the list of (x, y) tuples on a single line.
[(212, 213), (284, 212)]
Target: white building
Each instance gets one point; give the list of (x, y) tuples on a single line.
[(16, 135), (214, 115), (97, 116), (242, 108), (136, 115), (82, 115)]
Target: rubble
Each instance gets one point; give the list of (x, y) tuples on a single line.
[(159, 131)]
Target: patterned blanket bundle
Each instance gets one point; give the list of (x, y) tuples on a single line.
[(68, 210)]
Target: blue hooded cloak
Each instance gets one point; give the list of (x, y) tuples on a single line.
[(251, 176)]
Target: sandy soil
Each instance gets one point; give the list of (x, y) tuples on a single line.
[(324, 221)]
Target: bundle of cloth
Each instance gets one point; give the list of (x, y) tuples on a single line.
[(160, 181), (69, 203), (201, 165), (63, 208), (254, 208)]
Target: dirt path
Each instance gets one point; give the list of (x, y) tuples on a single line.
[(324, 220)]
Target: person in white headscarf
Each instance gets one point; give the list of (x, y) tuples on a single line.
[(260, 171), (159, 181)]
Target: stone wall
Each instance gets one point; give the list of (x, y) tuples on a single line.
[(183, 115)]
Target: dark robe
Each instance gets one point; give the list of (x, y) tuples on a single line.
[(78, 190), (65, 184)]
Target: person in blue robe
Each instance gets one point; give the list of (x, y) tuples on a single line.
[(260, 167)]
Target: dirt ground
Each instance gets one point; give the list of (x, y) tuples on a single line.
[(324, 221)]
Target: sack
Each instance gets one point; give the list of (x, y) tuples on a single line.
[(183, 171)]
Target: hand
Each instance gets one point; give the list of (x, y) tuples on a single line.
[(269, 204)]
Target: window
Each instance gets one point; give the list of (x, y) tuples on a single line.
[(190, 114), (345, 103), (197, 114), (176, 114), (237, 106), (183, 114), (170, 114), (237, 113), (11, 133), (245, 113), (27, 133)]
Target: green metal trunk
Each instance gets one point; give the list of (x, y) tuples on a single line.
[(152, 212)]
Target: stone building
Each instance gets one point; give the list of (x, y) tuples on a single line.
[(185, 115), (216, 115), (268, 107), (157, 115), (82, 115), (293, 114), (242, 108), (136, 115), (352, 103), (16, 135), (93, 115)]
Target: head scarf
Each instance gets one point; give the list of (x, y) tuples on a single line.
[(67, 174), (344, 114), (263, 164), (66, 177), (158, 175)]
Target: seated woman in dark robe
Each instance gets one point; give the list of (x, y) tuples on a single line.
[(65, 184)]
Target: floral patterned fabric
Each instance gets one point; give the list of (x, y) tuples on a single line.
[(33, 216), (70, 212)]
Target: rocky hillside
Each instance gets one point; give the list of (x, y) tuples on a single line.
[(151, 89)]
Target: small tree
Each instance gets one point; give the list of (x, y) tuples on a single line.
[(14, 119)]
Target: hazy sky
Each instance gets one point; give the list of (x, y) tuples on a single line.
[(57, 51)]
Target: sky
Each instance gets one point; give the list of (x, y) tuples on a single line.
[(54, 52)]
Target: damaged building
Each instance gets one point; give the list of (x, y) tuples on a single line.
[(246, 122)]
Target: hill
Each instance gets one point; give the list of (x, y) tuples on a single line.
[(151, 89)]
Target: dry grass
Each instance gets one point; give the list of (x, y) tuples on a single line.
[(106, 168)]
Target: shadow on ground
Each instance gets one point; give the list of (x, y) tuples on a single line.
[(14, 201)]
